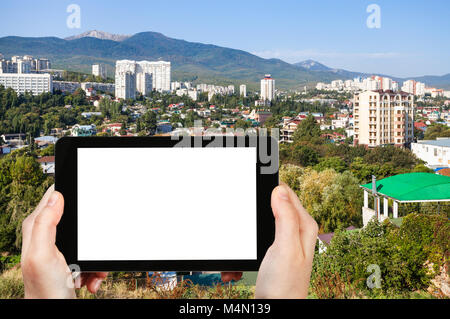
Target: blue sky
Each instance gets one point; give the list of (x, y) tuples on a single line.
[(413, 40)]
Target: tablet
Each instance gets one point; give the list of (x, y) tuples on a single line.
[(165, 203)]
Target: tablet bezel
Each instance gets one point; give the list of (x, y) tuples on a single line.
[(66, 183)]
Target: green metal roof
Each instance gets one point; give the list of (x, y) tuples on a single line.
[(414, 187)]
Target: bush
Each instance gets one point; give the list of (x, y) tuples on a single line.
[(403, 255)]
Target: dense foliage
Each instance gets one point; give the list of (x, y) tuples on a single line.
[(408, 256), (22, 185)]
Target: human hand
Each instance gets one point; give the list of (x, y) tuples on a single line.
[(44, 269), (286, 269)]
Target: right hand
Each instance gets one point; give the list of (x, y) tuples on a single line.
[(286, 269)]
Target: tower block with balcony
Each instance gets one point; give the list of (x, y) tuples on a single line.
[(383, 118)]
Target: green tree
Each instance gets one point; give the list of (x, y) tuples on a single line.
[(307, 131), (334, 162), (304, 155)]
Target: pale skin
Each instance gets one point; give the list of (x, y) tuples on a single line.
[(284, 273)]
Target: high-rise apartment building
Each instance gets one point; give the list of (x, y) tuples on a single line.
[(144, 83), (160, 71), (23, 65), (21, 83), (99, 70), (414, 87), (126, 85), (267, 88), (243, 90), (147, 75), (383, 117)]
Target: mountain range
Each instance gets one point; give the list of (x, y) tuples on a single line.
[(190, 61)]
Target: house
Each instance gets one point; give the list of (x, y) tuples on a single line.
[(5, 149), (436, 153), (47, 164), (420, 126), (83, 130), (288, 129), (13, 138), (113, 128), (45, 141)]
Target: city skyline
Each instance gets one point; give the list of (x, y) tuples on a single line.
[(410, 41)]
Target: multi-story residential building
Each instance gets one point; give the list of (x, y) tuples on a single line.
[(158, 73), (288, 129), (41, 64), (21, 83), (144, 83), (98, 86), (267, 88), (99, 70), (243, 90), (25, 64), (434, 153), (66, 86), (414, 87), (383, 117), (125, 85)]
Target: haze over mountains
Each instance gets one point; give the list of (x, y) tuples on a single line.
[(190, 61)]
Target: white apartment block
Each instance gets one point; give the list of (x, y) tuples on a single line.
[(99, 70), (21, 83), (243, 90), (414, 87), (267, 88), (105, 87), (160, 72), (127, 70), (383, 117), (125, 85), (434, 153), (66, 86), (144, 83)]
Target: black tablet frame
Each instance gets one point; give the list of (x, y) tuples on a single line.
[(66, 183)]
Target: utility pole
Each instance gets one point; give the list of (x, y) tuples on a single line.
[(374, 193)]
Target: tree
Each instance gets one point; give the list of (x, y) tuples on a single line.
[(242, 124), (334, 162), (333, 199), (436, 130), (307, 131), (149, 121), (304, 155)]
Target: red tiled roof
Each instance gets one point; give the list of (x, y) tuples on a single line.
[(46, 159)]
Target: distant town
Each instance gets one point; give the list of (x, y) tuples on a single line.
[(373, 111)]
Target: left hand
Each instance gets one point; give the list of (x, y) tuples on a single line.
[(44, 269)]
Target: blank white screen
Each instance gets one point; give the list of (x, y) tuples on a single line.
[(166, 203)]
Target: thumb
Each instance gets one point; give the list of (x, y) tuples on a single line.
[(44, 228), (287, 222)]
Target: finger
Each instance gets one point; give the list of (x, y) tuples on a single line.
[(307, 227), (286, 218), (27, 224), (44, 228), (229, 276), (94, 281)]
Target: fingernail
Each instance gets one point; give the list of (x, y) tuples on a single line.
[(283, 193), (53, 199)]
